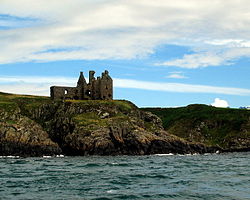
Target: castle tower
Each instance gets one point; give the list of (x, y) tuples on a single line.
[(92, 85), (81, 85), (106, 86), (81, 81), (91, 76)]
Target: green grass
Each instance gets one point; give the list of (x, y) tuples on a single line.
[(31, 101), (11, 102), (92, 118), (122, 105), (199, 112), (216, 125), (28, 103), (8, 106), (89, 118), (11, 122)]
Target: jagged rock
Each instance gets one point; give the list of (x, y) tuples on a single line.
[(22, 136), (150, 117)]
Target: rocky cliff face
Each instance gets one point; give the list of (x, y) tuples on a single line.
[(20, 135), (37, 126), (107, 128)]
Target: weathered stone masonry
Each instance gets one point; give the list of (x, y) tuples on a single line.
[(97, 88)]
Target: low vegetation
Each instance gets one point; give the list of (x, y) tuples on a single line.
[(225, 127)]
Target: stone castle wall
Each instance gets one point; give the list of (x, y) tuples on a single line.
[(100, 88)]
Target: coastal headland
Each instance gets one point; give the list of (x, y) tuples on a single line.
[(37, 126)]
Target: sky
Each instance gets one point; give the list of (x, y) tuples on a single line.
[(160, 53)]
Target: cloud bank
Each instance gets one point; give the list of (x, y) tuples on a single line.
[(217, 31), (41, 85)]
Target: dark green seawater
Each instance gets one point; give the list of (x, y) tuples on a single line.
[(214, 176)]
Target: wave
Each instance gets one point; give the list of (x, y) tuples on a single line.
[(10, 156)]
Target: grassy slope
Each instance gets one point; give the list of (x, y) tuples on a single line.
[(8, 102), (35, 101), (11, 102), (213, 126)]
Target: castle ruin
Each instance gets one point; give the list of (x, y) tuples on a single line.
[(100, 88)]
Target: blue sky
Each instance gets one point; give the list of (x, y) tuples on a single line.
[(159, 53)]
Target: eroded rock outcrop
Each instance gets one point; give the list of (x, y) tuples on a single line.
[(35, 126), (19, 135), (108, 128)]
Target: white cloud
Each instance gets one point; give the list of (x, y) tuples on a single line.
[(41, 85), (205, 59), (26, 88), (220, 103), (176, 75), (192, 61), (33, 85), (107, 29), (178, 87), (37, 79)]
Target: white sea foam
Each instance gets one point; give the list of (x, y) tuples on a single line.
[(60, 156), (164, 154), (9, 156), (47, 156), (111, 191), (189, 154)]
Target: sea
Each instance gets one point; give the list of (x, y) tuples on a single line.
[(165, 176)]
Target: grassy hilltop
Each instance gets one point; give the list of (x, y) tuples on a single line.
[(226, 127), (10, 102)]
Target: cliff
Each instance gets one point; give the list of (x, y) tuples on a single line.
[(35, 126), (224, 127), (20, 135)]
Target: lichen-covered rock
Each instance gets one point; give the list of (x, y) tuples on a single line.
[(150, 117)]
